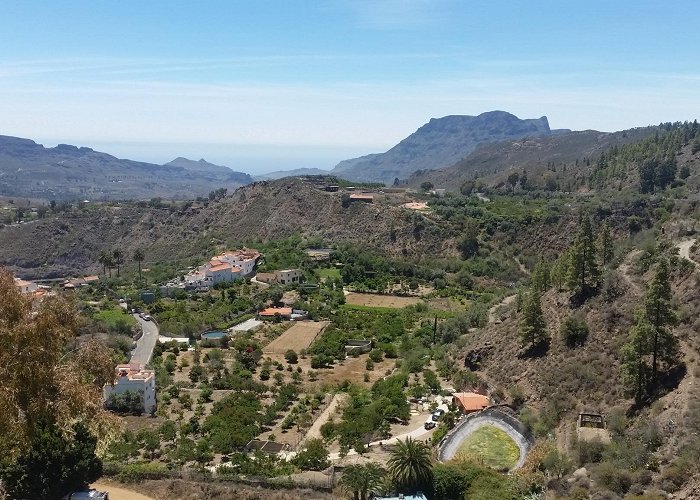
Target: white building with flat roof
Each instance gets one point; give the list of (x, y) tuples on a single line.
[(135, 378)]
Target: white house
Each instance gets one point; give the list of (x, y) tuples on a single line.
[(228, 266), (288, 276), (134, 377), (26, 286), (244, 259)]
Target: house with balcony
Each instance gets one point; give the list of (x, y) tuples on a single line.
[(134, 377)]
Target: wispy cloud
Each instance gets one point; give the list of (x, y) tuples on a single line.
[(397, 14)]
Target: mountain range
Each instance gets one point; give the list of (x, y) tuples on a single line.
[(28, 169), (441, 143)]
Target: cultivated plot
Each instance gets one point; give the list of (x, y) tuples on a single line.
[(298, 337), (372, 300)]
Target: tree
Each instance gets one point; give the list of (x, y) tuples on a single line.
[(410, 465), (635, 369), (138, 257), (605, 248), (658, 312), (574, 331), (533, 329), (118, 257), (291, 356), (126, 403), (513, 180), (46, 388), (469, 244), (541, 276), (427, 186), (314, 456), (583, 268), (54, 465), (106, 260), (362, 480)]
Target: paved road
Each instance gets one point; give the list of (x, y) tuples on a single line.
[(144, 346)]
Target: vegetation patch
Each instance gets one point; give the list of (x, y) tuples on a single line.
[(492, 446)]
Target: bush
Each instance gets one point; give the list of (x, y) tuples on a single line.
[(314, 456), (613, 478), (574, 331), (125, 403), (291, 356)]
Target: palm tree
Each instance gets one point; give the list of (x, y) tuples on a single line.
[(138, 257), (104, 258), (362, 479), (410, 465), (118, 256)]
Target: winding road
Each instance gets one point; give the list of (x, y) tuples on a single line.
[(145, 345), (684, 250)]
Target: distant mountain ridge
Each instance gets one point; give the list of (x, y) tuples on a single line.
[(441, 143), (210, 170), (297, 172), (28, 169)]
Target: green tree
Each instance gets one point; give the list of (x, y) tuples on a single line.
[(605, 245), (410, 465), (635, 368), (362, 480), (427, 186), (533, 329), (138, 257), (105, 259), (584, 274), (469, 244), (513, 181), (314, 456), (54, 465), (541, 276), (118, 259), (659, 313), (291, 356)]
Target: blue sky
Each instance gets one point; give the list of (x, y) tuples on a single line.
[(262, 85)]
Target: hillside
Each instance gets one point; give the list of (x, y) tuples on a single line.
[(66, 172), (491, 163), (69, 243), (297, 172), (440, 143)]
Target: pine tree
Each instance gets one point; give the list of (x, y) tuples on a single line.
[(584, 274), (658, 312), (533, 329), (541, 276), (605, 248), (559, 271), (635, 367)]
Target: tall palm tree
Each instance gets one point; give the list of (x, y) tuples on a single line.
[(138, 257), (118, 257), (104, 259), (410, 465), (362, 480)]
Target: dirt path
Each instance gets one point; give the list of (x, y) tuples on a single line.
[(625, 271), (684, 250), (493, 309), (315, 430), (117, 493)]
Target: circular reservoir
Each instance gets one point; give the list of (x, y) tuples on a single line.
[(213, 335), (489, 437)]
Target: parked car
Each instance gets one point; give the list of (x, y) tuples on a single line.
[(437, 414), (429, 424), (147, 317), (87, 494)]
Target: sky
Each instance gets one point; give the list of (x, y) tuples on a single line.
[(280, 84)]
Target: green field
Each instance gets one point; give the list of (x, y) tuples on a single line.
[(113, 316), (330, 272), (492, 445)]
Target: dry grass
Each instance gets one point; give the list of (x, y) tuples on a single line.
[(299, 337), (372, 300)]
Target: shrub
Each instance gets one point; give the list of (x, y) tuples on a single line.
[(613, 477), (574, 331), (291, 356)]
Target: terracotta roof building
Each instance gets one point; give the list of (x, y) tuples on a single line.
[(470, 402)]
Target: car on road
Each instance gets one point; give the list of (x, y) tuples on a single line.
[(87, 494), (146, 317), (429, 424)]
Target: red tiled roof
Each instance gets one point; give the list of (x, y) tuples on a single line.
[(221, 267), (271, 311), (471, 401)]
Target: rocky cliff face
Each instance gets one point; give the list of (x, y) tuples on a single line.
[(440, 143)]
